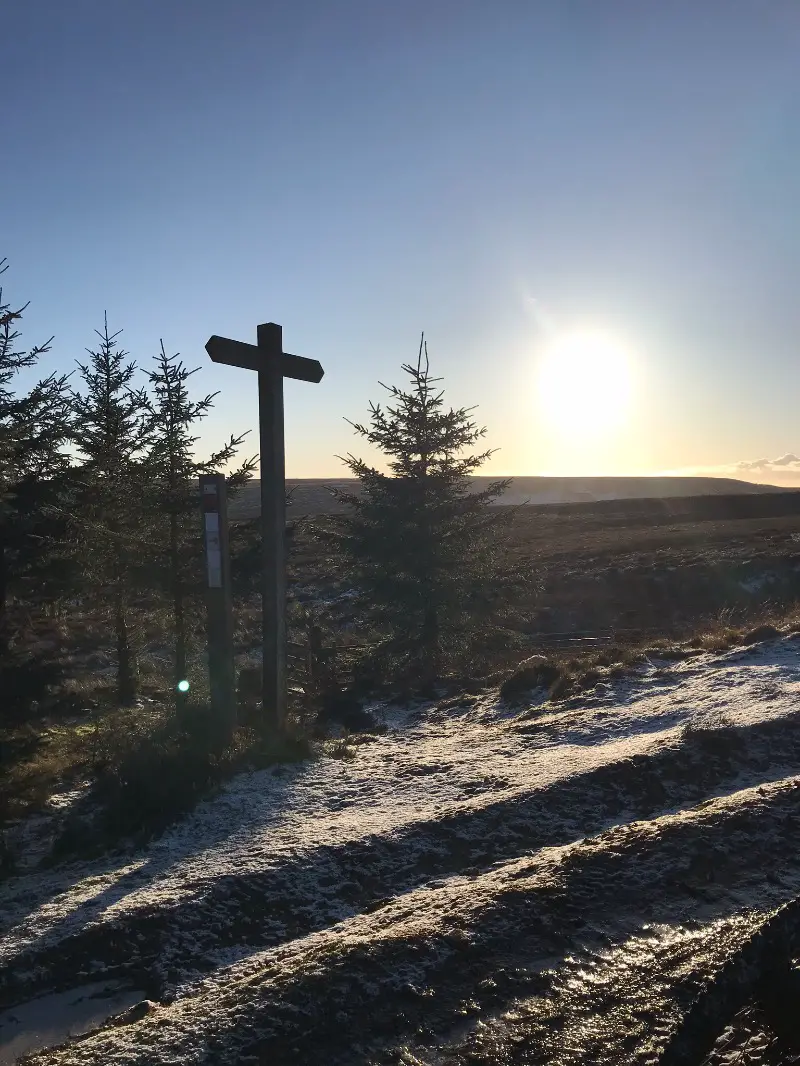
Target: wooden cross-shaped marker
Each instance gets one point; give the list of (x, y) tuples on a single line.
[(272, 364)]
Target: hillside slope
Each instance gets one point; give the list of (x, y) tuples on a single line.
[(480, 884), (311, 495)]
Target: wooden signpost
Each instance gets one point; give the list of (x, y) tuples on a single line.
[(221, 672), (272, 365)]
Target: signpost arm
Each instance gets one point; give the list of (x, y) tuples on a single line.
[(221, 671), (273, 523)]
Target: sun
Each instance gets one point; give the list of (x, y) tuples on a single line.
[(584, 383)]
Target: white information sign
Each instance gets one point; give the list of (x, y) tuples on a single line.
[(213, 550)]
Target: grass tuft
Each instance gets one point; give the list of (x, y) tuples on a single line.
[(536, 672), (714, 734)]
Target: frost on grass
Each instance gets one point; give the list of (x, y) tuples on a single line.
[(437, 875)]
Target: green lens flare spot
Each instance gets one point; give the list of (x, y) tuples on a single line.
[(183, 686)]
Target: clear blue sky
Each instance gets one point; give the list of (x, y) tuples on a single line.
[(493, 173)]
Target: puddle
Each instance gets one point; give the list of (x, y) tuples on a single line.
[(52, 1019)]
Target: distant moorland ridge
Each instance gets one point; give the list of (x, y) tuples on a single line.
[(315, 496)]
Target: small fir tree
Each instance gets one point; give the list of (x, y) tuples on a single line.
[(173, 493), (110, 515), (34, 427), (420, 542)]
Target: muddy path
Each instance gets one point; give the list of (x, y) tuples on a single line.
[(157, 948), (552, 885), (583, 953)]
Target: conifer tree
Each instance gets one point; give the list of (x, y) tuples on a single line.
[(34, 426), (419, 541), (109, 513), (174, 489)]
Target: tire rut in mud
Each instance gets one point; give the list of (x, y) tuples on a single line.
[(628, 1005), (662, 995), (609, 1007)]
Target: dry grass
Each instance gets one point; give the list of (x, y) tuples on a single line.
[(146, 767), (714, 735), (150, 781), (143, 765), (565, 674), (39, 765), (141, 768), (584, 571)]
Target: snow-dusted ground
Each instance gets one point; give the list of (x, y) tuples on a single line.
[(404, 905)]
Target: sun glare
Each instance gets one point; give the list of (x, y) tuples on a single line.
[(584, 383)]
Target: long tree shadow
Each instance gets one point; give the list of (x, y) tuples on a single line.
[(298, 895), (607, 896), (377, 987), (265, 796), (204, 830)]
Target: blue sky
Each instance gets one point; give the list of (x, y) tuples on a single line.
[(497, 174)]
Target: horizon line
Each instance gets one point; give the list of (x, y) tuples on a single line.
[(662, 475)]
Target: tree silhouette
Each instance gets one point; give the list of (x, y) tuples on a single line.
[(418, 539), (173, 491), (34, 426), (110, 516)]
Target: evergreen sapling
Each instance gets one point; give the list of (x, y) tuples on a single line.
[(173, 492), (421, 543)]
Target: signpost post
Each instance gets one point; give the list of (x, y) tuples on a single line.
[(222, 677), (272, 365)]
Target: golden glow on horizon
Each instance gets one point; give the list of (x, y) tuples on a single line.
[(584, 384)]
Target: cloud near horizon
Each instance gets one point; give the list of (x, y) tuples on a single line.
[(785, 470), (788, 460)]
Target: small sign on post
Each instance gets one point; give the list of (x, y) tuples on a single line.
[(272, 365), (221, 672)]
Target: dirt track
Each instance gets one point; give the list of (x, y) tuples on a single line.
[(551, 886)]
